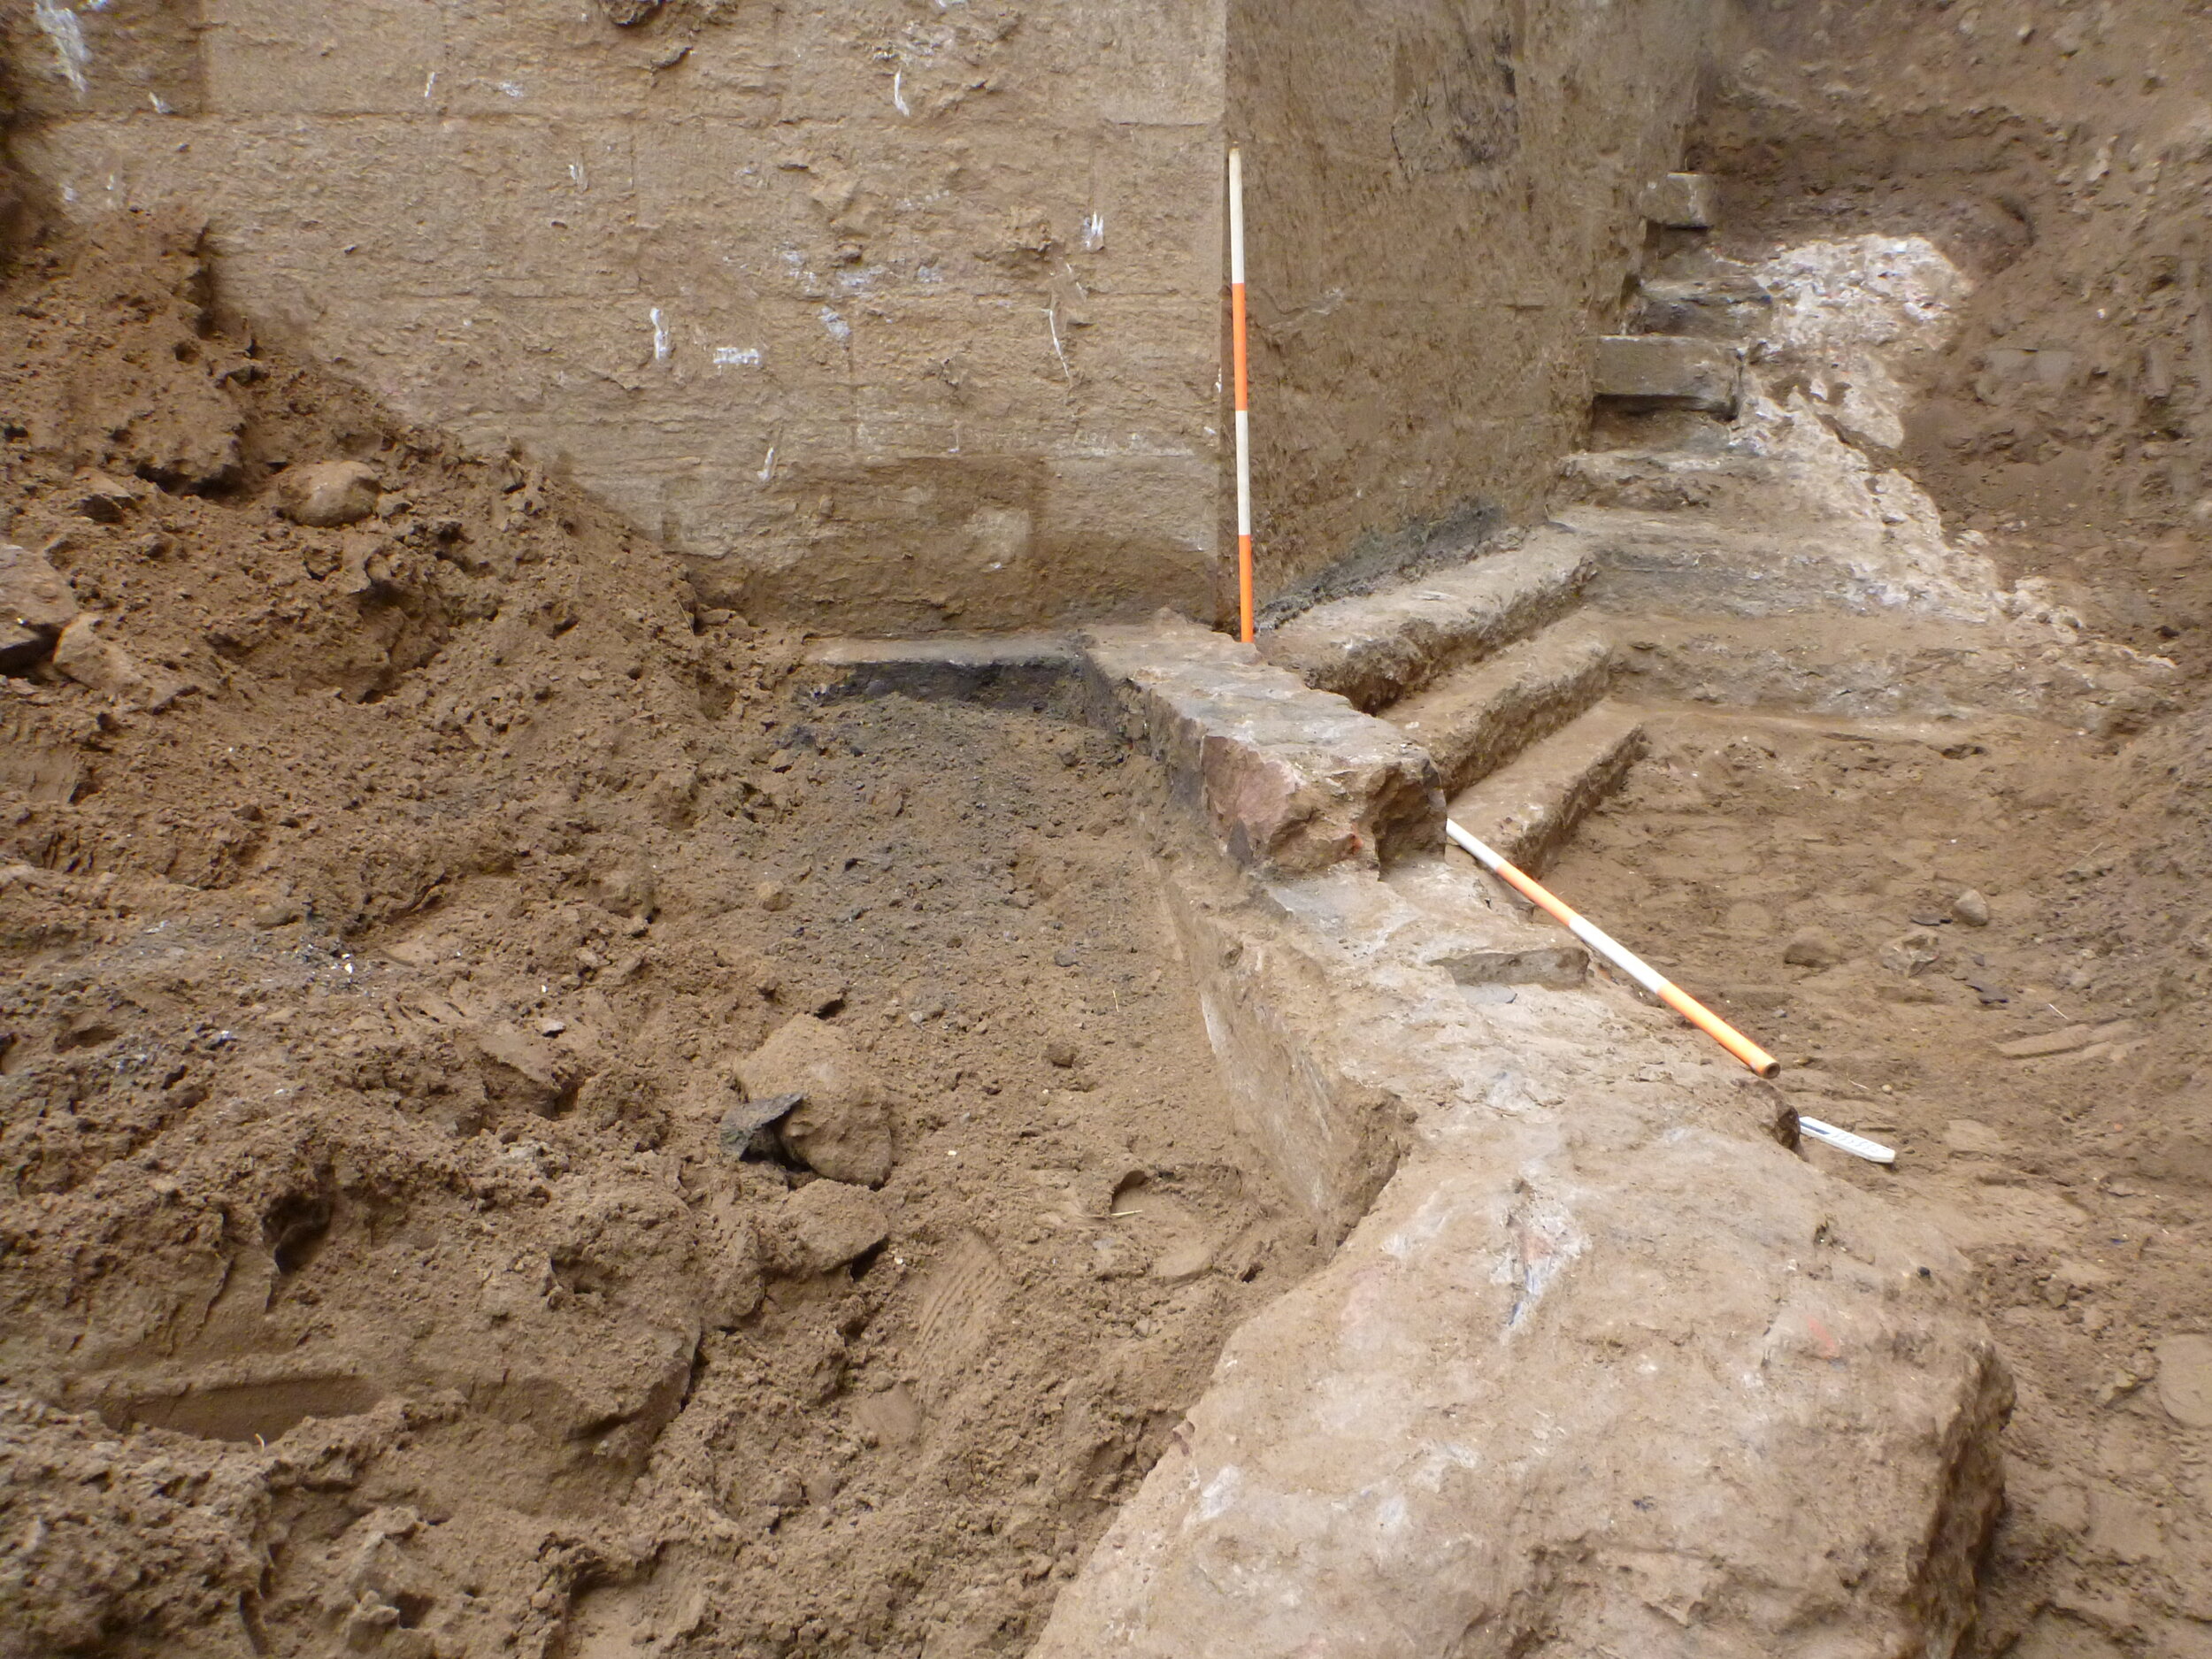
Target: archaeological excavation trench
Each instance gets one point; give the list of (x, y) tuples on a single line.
[(672, 989)]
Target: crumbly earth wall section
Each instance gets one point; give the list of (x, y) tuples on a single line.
[(1443, 206), (897, 314), (402, 923)]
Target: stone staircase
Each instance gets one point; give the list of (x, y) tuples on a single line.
[(1515, 1177), (1733, 536), (1500, 672)]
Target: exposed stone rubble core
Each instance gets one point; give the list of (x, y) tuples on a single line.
[(1602, 1361), (1720, 539)]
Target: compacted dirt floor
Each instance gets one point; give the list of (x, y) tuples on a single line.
[(412, 931)]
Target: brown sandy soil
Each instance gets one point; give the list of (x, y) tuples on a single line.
[(388, 1256), (1807, 876)]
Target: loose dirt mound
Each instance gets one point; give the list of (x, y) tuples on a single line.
[(397, 1252)]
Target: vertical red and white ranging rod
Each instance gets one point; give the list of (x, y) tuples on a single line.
[(1244, 395)]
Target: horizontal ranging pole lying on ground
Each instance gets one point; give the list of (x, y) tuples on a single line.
[(1665, 990), (1620, 955)]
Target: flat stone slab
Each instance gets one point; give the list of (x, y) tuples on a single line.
[(1289, 779), (1478, 719), (1668, 372), (1527, 811), (1374, 648)]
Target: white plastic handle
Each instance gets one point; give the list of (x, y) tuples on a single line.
[(1844, 1140)]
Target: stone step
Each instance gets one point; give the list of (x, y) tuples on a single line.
[(1682, 201), (1678, 459), (1482, 936), (1478, 718), (1716, 307), (1670, 561), (1888, 666), (1374, 649), (1668, 372), (1290, 781), (1528, 809)]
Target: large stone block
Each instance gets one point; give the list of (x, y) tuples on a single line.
[(1683, 201), (1287, 778), (1701, 1404), (1668, 372)]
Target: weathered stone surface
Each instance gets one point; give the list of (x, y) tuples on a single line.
[(1376, 648), (1683, 201), (1527, 810), (35, 606), (1604, 1369), (1288, 778), (329, 494), (103, 498), (841, 1127), (1813, 948), (1668, 372), (2184, 1380), (2049, 1042), (1527, 1398), (1478, 718), (826, 1223)]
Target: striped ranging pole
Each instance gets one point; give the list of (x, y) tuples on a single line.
[(1244, 395), (1622, 957)]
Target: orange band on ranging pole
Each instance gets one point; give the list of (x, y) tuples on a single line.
[(1621, 956), (1243, 407)]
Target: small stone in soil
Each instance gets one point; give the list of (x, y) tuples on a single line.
[(1910, 953), (2049, 1042), (1813, 948), (2184, 1380), (842, 1128), (826, 1223), (329, 494), (746, 1127), (1971, 908)]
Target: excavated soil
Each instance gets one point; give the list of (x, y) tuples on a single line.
[(1890, 907), (391, 1250)]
